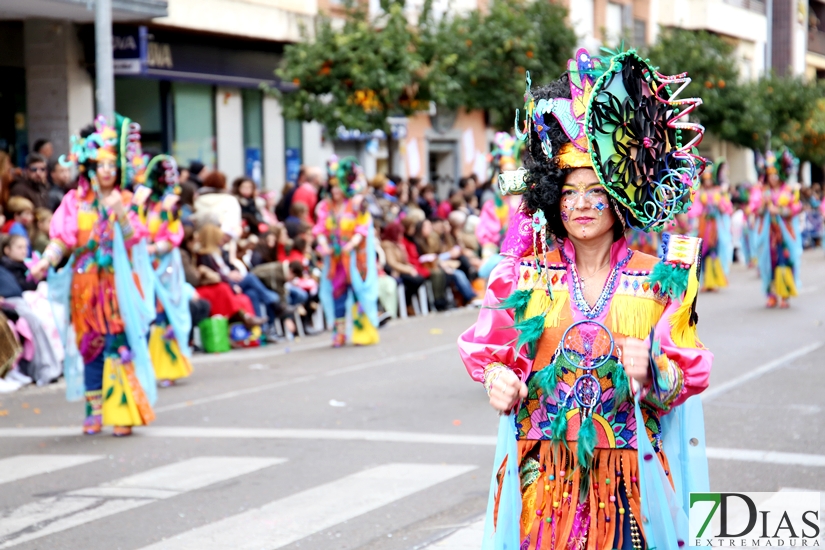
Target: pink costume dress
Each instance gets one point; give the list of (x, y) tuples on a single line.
[(597, 507), (113, 391)]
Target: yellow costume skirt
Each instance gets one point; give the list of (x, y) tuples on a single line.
[(124, 403), (363, 331), (714, 274), (167, 359)]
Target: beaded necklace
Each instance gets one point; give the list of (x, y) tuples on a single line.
[(607, 291)]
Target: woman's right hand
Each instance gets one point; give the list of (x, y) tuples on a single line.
[(506, 391)]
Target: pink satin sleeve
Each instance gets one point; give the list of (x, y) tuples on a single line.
[(695, 363), (166, 234), (321, 215), (488, 230), (139, 230), (63, 227), (492, 339)]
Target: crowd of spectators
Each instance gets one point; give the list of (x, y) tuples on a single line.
[(251, 255)]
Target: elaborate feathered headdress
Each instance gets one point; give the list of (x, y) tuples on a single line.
[(347, 174), (623, 119)]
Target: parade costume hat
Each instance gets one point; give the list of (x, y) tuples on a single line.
[(625, 120), (99, 142), (347, 174)]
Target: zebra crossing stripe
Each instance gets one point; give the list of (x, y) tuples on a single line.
[(293, 518), (22, 466), (467, 538), (52, 515)]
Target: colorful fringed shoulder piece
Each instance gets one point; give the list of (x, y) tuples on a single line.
[(678, 275)]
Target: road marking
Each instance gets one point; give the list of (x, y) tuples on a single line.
[(196, 432), (55, 514), (467, 538), (771, 457), (265, 433), (293, 518), (716, 391), (22, 466), (308, 378)]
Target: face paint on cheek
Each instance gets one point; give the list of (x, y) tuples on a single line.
[(564, 216), (600, 206)]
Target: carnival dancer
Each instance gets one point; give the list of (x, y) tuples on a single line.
[(157, 205), (712, 209), (588, 347), (776, 207), (346, 242), (94, 227)]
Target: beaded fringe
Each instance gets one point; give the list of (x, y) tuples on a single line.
[(553, 512)]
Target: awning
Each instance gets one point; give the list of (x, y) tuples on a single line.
[(82, 11)]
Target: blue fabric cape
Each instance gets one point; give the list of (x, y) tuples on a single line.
[(136, 311), (174, 295)]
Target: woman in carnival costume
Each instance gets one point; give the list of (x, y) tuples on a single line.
[(157, 205), (95, 229), (712, 209), (346, 241), (777, 237), (583, 341)]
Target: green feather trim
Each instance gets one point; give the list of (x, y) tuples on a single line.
[(530, 330), (516, 301), (587, 442), (672, 279), (621, 385), (546, 380), (558, 428)]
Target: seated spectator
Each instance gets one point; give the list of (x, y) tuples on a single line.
[(15, 253), (213, 205), (427, 202), (196, 174), (40, 231), (44, 148), (309, 185), (298, 216), (402, 258), (445, 260), (454, 202), (215, 286), (20, 219), (60, 182), (245, 191), (34, 184)]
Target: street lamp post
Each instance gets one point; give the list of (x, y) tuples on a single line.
[(104, 64)]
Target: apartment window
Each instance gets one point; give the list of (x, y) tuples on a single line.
[(194, 123), (614, 24), (639, 33), (139, 99), (293, 144), (253, 134)]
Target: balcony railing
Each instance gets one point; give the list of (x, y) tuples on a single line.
[(757, 6), (816, 42)]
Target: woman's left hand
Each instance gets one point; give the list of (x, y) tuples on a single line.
[(635, 358)]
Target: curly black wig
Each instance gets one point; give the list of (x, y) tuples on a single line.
[(544, 178)]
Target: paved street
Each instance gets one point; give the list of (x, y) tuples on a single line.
[(388, 447)]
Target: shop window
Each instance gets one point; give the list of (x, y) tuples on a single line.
[(194, 125), (293, 145), (253, 135), (139, 99)]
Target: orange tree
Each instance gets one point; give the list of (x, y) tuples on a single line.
[(358, 75)]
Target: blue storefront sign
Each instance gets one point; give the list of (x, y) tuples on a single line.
[(130, 50), (293, 164), (253, 165)]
